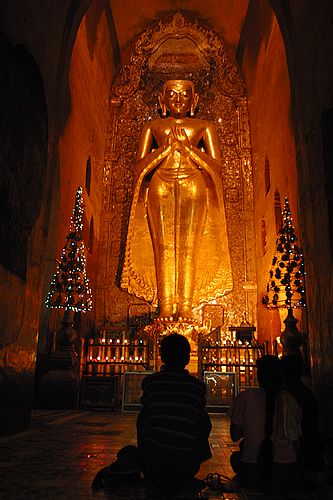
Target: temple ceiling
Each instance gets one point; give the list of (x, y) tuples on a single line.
[(225, 17)]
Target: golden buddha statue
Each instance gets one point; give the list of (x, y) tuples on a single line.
[(177, 253)]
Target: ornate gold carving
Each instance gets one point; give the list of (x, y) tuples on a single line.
[(213, 316), (133, 102), (208, 54)]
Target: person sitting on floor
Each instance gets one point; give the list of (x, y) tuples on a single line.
[(173, 426), (310, 452), (268, 420)]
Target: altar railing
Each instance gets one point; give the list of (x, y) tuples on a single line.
[(112, 353), (231, 356)]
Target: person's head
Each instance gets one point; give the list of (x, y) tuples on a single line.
[(175, 351), (179, 98), (269, 372), (292, 368)]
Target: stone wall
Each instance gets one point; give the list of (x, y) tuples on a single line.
[(264, 64), (311, 69), (289, 77), (35, 58), (23, 159)]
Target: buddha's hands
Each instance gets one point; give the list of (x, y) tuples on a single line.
[(178, 139), (179, 133)]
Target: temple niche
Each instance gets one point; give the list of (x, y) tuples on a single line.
[(178, 48)]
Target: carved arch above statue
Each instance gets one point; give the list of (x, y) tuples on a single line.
[(179, 48)]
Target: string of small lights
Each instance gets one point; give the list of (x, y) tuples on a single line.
[(69, 288), (286, 285)]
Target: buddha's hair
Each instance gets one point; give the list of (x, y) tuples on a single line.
[(171, 82)]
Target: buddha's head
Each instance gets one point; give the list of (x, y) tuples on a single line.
[(179, 98)]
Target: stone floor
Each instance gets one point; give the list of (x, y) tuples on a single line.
[(58, 457)]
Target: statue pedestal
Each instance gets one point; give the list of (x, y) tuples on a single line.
[(291, 339), (59, 387)]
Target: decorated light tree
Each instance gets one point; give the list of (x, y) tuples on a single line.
[(70, 291), (69, 288), (286, 285)]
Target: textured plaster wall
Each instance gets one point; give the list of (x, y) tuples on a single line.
[(34, 63), (39, 26), (23, 159), (311, 48), (289, 88), (90, 74), (36, 34), (272, 138)]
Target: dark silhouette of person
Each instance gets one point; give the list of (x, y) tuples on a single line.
[(267, 419), (172, 427), (310, 453)]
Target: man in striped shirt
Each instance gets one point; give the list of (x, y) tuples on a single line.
[(173, 425)]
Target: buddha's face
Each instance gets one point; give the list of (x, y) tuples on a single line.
[(178, 97)]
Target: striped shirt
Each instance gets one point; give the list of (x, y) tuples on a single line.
[(173, 419)]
